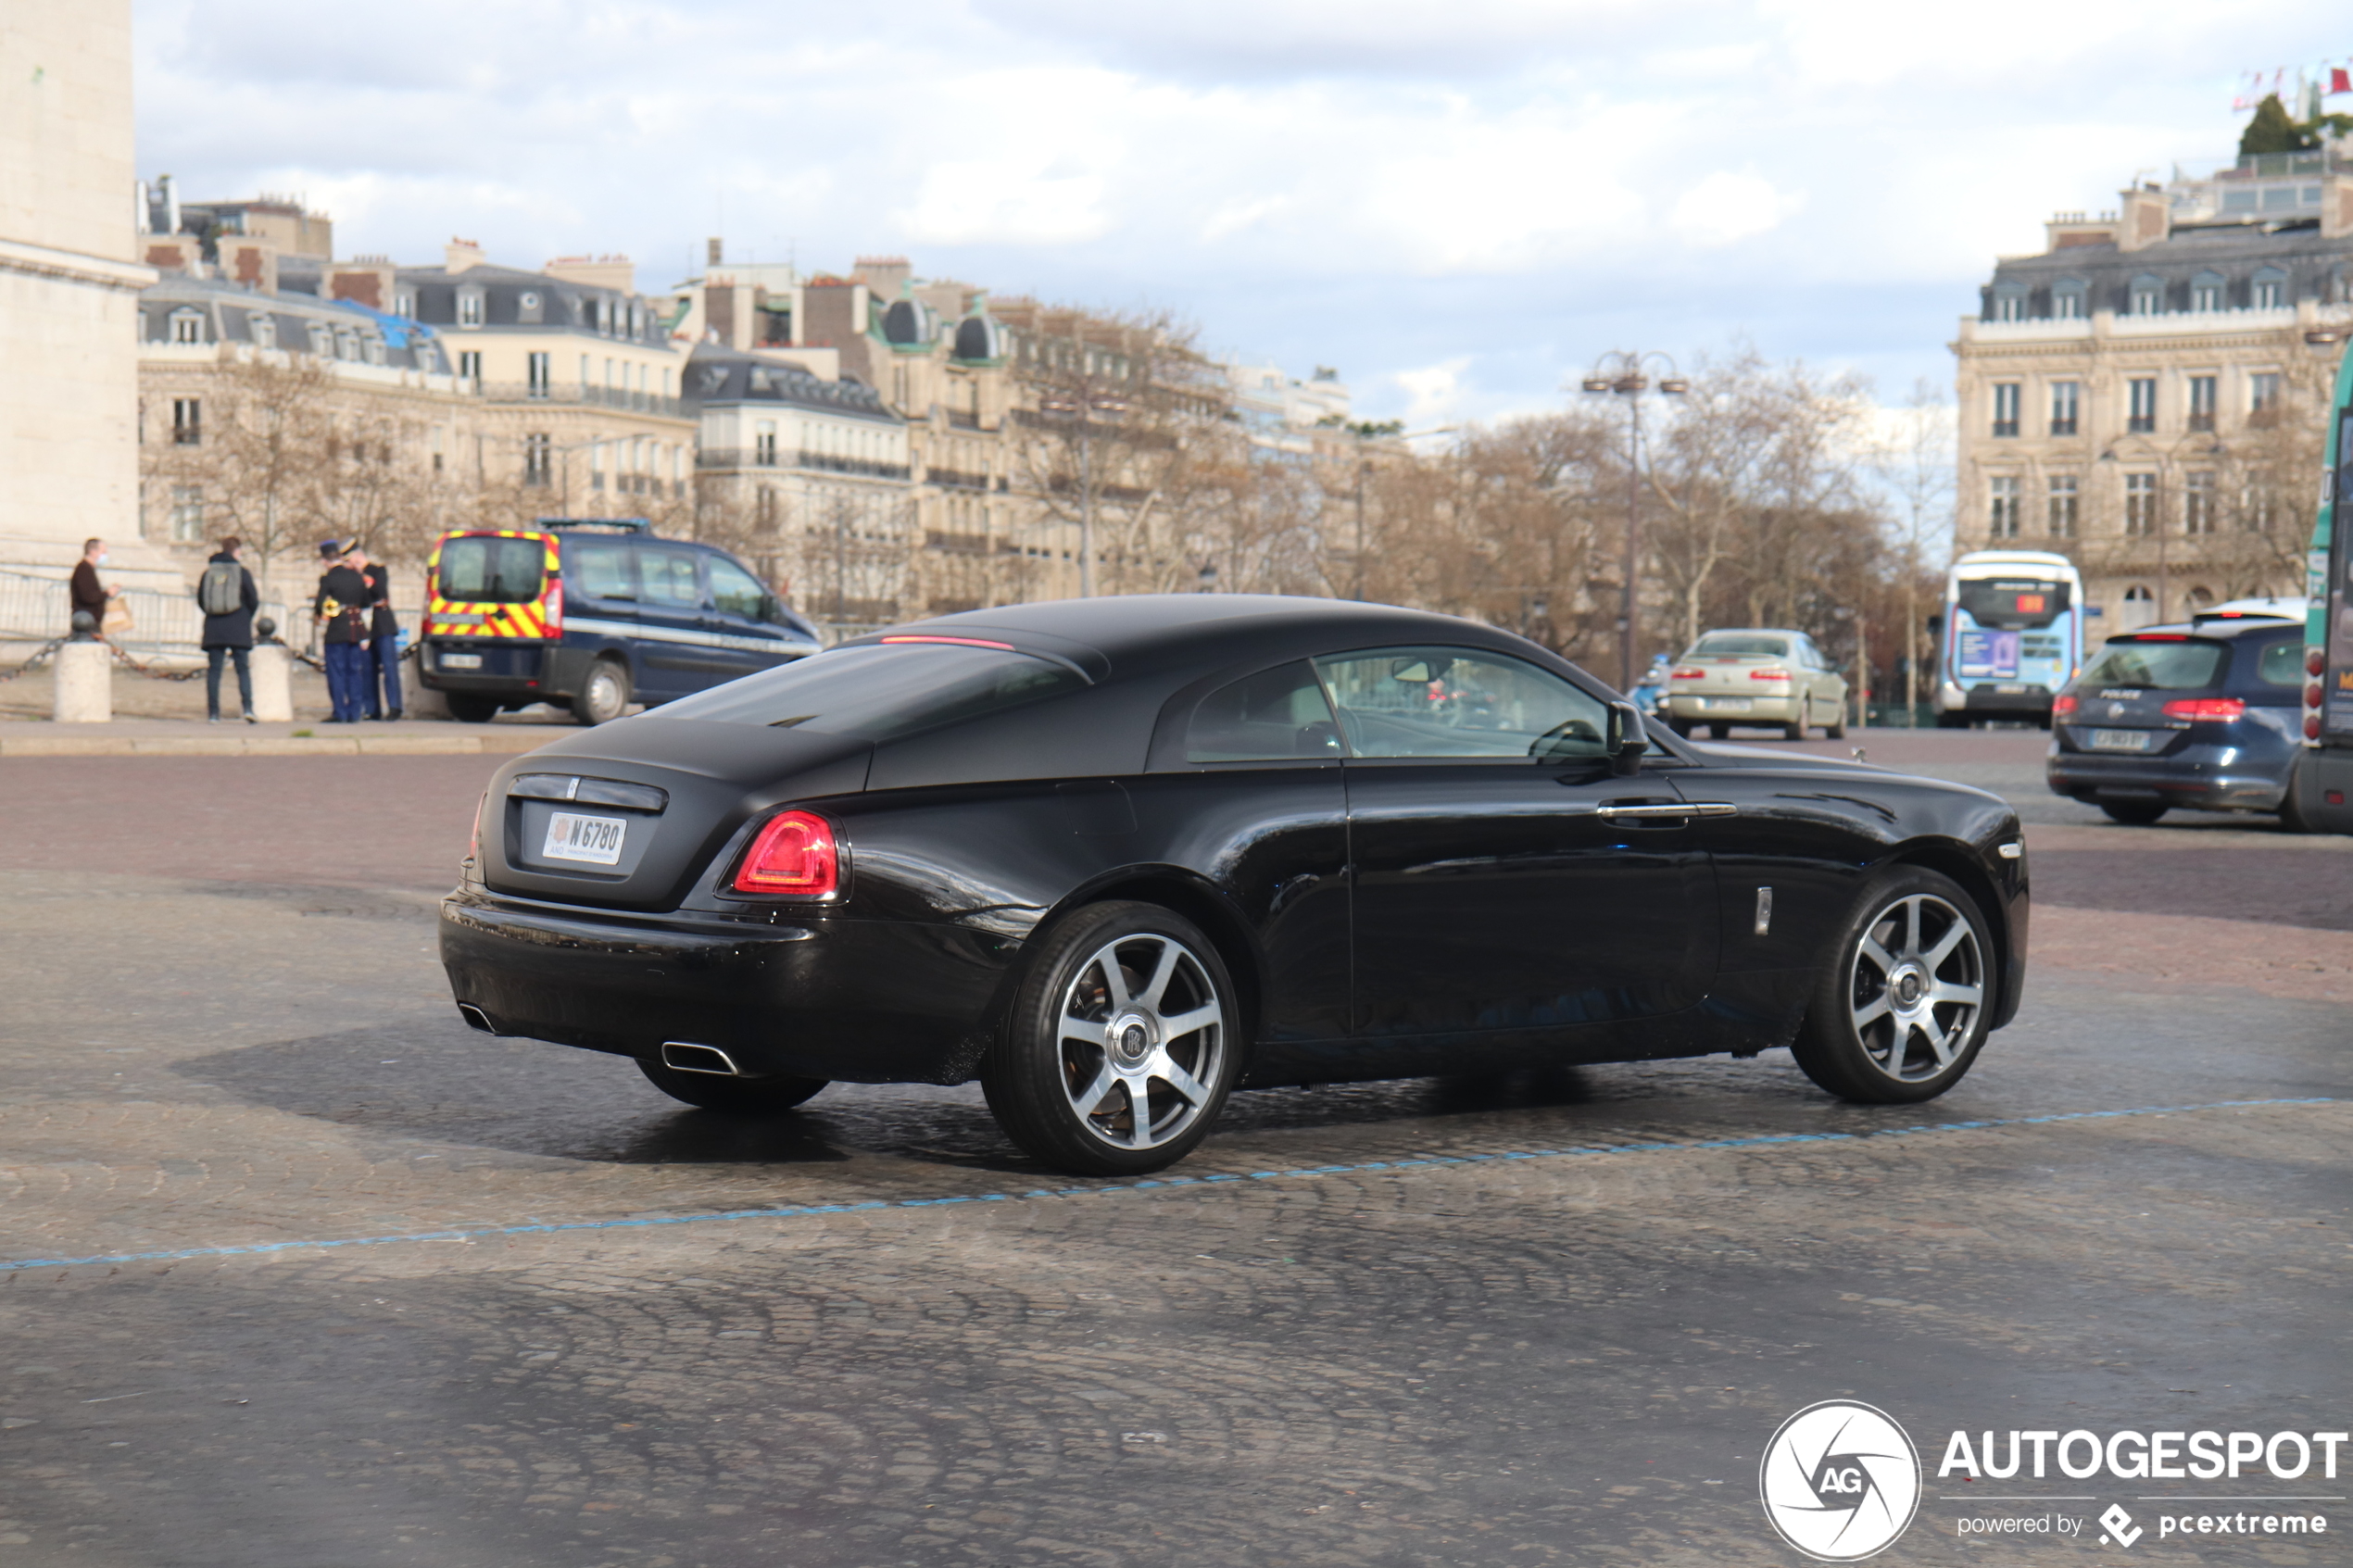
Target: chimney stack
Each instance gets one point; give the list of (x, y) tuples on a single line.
[(2144, 219), (460, 255)]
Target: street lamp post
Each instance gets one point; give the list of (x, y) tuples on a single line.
[(1367, 432), (1622, 374)]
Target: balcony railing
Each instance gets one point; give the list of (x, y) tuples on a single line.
[(619, 399), (2005, 427), (820, 462), (956, 477), (2063, 427)]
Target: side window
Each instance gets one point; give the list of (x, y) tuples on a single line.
[(601, 570), (670, 578), (2281, 664), (1454, 702), (736, 591), (1276, 715)]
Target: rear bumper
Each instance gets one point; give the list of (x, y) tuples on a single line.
[(512, 668), (1987, 702), (2196, 778), (859, 1001)]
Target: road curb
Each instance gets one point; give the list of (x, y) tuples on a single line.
[(490, 743)]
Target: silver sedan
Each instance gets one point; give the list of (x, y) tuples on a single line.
[(1763, 678)]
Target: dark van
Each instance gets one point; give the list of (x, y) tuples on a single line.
[(593, 614)]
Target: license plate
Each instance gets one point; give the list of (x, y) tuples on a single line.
[(2120, 740), (461, 661), (593, 839), (1728, 704)]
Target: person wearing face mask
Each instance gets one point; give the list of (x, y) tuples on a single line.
[(84, 588)]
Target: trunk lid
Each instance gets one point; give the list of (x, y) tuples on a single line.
[(627, 815)]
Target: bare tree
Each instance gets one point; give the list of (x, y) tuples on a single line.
[(1913, 463), (1114, 435)]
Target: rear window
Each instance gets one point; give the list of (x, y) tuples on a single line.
[(881, 693), (1736, 645), (2169, 667), (485, 569)]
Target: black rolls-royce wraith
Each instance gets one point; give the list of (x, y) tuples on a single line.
[(1118, 857)]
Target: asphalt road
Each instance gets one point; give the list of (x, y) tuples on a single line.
[(1548, 1319)]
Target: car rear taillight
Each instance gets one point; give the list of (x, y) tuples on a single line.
[(1768, 674), (474, 839), (551, 609), (2063, 707), (796, 853), (2312, 694), (2315, 661), (2220, 710), (1686, 674), (2311, 726)]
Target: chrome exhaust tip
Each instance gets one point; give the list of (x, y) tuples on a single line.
[(680, 1057), (475, 1018)]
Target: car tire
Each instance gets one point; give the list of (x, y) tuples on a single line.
[(1902, 1010), (472, 708), (1836, 728), (732, 1097), (604, 697), (1089, 1043), (1797, 731), (2133, 813)]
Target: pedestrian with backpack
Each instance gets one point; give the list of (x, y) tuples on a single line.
[(227, 596)]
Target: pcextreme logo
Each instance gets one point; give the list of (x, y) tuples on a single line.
[(1840, 1481)]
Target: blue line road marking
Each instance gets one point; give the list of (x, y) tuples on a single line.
[(1107, 1189)]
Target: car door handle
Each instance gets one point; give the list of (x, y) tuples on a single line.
[(1679, 809)]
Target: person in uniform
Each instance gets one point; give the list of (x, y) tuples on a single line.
[(341, 613), (384, 638)]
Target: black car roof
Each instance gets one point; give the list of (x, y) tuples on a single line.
[(1132, 629), (2221, 628)]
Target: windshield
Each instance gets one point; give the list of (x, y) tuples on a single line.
[(2012, 604), (487, 568), (2169, 666), (880, 693), (1739, 645)]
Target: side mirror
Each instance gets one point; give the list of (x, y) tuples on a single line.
[(1628, 739)]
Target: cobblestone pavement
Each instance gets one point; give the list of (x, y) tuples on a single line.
[(1542, 1318)]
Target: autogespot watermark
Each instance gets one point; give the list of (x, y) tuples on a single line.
[(1841, 1481)]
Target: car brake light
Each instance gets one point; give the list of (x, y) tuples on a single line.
[(551, 609), (1769, 674), (2063, 705), (958, 642), (2314, 661), (2158, 637), (794, 853), (2223, 709), (2312, 694), (2311, 726), (1686, 674)]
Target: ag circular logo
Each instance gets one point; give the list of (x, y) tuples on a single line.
[(1840, 1481)]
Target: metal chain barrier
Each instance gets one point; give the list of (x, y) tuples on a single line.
[(41, 656)]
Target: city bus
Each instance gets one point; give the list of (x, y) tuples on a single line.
[(2012, 636), (2324, 780)]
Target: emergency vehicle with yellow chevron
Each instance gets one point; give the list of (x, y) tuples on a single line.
[(593, 614)]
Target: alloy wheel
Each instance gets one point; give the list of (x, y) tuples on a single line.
[(1141, 1033), (1916, 987)]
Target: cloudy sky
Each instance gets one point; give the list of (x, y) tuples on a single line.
[(1456, 204)]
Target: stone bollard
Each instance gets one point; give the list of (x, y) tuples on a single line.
[(272, 683), (84, 684)]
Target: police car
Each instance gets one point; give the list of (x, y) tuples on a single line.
[(593, 614)]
